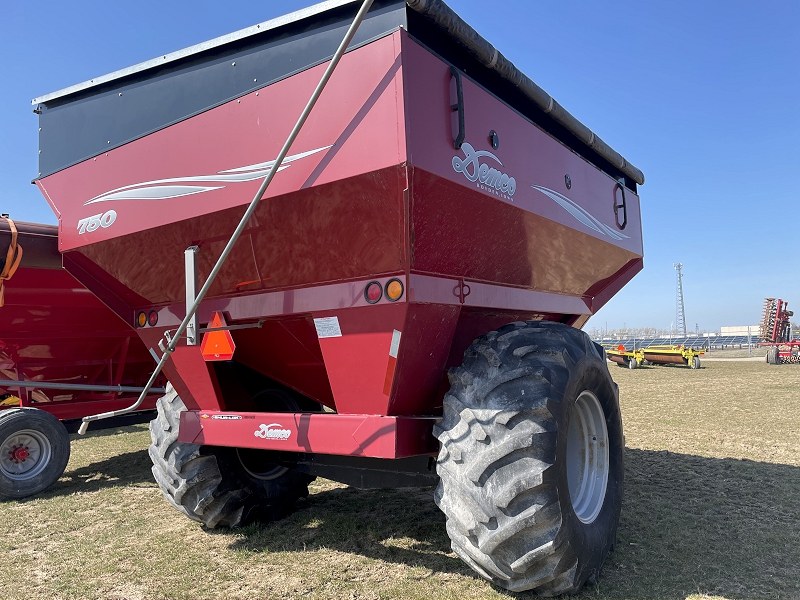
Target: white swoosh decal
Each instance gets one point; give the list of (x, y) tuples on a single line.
[(580, 213), (163, 189)]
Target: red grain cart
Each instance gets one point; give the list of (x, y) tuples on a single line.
[(63, 355), (412, 285)]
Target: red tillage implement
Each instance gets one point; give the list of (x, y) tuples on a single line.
[(63, 355), (776, 332), (413, 282)]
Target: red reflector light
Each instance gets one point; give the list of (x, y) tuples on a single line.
[(373, 292), (152, 318)]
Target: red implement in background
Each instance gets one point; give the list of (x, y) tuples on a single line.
[(54, 331), (775, 331)]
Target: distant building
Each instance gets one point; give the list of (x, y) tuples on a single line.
[(739, 330)]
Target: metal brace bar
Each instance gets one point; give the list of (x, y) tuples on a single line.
[(171, 343), (190, 264), (171, 332), (232, 327), (43, 385)]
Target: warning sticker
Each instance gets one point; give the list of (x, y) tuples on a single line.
[(395, 343), (328, 327)]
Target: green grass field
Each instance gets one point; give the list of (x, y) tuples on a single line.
[(712, 509)]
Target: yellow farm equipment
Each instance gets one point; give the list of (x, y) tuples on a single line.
[(655, 355)]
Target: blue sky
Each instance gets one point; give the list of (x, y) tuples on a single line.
[(704, 97)]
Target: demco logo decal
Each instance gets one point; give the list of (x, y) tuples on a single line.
[(486, 178), (273, 431)]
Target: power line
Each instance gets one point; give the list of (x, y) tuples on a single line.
[(680, 315)]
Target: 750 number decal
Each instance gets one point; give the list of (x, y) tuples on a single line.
[(103, 220)]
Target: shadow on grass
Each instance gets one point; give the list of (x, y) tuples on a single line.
[(694, 525), (126, 469), (106, 431), (690, 525), (401, 526)]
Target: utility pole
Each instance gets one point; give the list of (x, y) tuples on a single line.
[(680, 317)]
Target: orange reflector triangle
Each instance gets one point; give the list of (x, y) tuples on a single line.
[(217, 345), (621, 348)]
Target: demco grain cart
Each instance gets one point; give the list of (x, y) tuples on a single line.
[(63, 355), (412, 284)]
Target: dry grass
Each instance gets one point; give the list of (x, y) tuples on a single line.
[(711, 510)]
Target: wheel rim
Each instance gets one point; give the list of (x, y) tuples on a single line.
[(587, 457), (24, 454), (257, 464)]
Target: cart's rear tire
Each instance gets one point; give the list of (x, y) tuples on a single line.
[(531, 460), (632, 363), (219, 487), (695, 364), (34, 451)]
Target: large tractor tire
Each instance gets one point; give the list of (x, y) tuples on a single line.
[(531, 460), (221, 487), (34, 451)]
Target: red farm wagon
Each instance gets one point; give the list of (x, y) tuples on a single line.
[(63, 355), (404, 304)]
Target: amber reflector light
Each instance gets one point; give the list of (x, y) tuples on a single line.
[(141, 319), (394, 289)]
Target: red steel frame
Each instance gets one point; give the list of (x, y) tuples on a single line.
[(380, 194), (782, 323)]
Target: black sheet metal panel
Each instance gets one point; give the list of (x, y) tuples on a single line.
[(88, 122)]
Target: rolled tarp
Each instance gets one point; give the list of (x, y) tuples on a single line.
[(441, 14)]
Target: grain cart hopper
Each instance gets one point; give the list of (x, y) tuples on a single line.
[(63, 355), (413, 283)]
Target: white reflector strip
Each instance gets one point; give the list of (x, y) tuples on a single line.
[(395, 343), (328, 327)]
